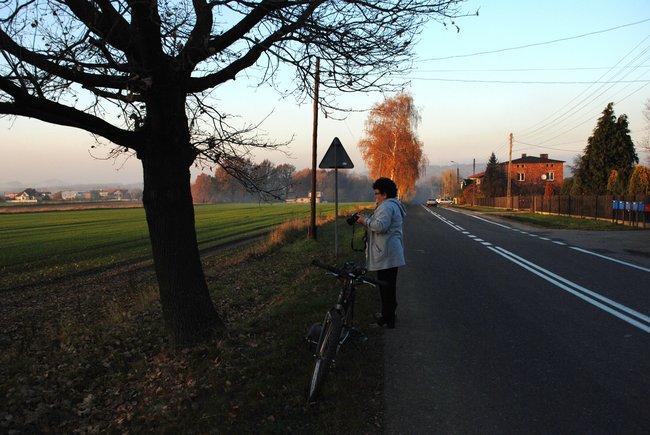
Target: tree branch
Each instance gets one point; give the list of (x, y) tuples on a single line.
[(42, 62), (230, 71), (55, 113), (108, 24)]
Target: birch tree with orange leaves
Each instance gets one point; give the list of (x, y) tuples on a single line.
[(391, 147)]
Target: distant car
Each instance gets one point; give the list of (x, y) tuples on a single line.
[(444, 201), (432, 202)]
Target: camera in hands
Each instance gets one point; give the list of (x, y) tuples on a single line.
[(351, 220)]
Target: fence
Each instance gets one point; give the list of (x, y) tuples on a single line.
[(633, 209)]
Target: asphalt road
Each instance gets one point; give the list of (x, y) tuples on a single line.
[(508, 329)]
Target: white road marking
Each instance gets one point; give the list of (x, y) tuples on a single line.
[(645, 269), (587, 295), (610, 306)]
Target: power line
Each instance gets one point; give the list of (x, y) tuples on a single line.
[(582, 103), (535, 44), (548, 148), (523, 82), (593, 68)]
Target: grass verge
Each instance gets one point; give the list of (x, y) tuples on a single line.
[(84, 356), (566, 222), (554, 221)]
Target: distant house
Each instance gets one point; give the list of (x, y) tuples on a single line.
[(476, 179), (121, 194), (302, 200), (528, 174), (114, 194), (91, 195), (27, 195), (532, 173), (69, 195)]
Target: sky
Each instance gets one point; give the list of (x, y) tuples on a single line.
[(543, 71)]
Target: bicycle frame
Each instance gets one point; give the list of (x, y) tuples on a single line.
[(345, 305), (337, 326)]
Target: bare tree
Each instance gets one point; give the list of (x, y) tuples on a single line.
[(141, 74), (448, 180), (645, 140), (391, 147)]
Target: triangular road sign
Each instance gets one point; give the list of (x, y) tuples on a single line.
[(336, 157)]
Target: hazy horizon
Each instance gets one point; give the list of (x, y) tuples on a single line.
[(543, 71)]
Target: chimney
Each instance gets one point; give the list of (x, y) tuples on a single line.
[(523, 155), (543, 156)]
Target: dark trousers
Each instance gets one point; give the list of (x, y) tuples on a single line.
[(388, 293)]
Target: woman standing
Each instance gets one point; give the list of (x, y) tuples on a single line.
[(385, 245)]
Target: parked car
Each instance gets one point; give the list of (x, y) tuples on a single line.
[(432, 202), (444, 201)]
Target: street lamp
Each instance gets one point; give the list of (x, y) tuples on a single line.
[(457, 176)]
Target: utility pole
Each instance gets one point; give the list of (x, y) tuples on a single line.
[(474, 184), (509, 192), (456, 188), (312, 220)]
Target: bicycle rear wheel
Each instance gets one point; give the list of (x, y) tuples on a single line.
[(325, 352)]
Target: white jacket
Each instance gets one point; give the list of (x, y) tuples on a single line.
[(385, 245)]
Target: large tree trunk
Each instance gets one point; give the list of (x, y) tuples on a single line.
[(188, 311)]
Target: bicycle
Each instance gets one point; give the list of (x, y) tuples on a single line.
[(337, 327)]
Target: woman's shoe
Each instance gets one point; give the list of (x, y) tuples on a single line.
[(384, 324)]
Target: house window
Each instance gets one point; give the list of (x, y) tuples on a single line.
[(550, 176), (521, 176)]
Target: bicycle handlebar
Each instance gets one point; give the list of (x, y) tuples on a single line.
[(356, 272)]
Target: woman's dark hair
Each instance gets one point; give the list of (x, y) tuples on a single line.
[(385, 185)]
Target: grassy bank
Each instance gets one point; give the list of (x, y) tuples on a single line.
[(90, 355), (567, 222), (554, 221)]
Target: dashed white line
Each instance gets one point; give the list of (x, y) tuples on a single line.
[(458, 228)]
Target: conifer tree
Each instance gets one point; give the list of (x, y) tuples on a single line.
[(609, 148), (495, 181)]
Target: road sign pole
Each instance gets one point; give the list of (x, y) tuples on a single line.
[(336, 213), (336, 158), (336, 205)]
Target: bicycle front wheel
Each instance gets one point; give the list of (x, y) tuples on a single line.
[(325, 352)]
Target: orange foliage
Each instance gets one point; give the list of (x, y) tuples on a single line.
[(202, 189), (391, 147)]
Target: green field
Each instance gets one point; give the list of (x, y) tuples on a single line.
[(42, 246)]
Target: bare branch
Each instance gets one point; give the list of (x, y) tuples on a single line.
[(49, 111)]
